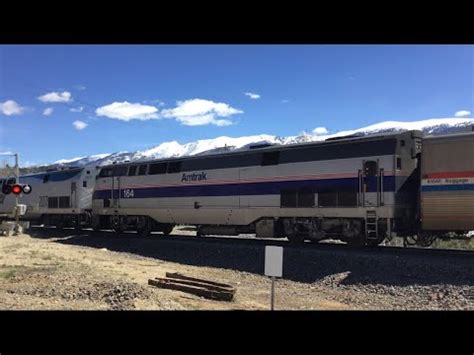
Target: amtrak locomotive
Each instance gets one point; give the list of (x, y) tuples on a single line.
[(59, 198), (361, 190)]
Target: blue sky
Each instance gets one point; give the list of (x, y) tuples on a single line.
[(134, 97)]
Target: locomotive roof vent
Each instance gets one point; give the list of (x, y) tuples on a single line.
[(344, 137), (260, 145)]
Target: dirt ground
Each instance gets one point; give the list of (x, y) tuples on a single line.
[(42, 274), (52, 273)]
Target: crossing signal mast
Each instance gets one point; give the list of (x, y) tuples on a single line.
[(16, 189)]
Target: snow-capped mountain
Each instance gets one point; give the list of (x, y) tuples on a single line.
[(435, 126)]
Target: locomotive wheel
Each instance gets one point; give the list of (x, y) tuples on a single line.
[(77, 224), (116, 224), (167, 229), (96, 225), (60, 225), (143, 227)]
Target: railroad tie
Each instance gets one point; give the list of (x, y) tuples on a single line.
[(199, 287)]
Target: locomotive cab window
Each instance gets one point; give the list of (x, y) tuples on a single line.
[(174, 167), (271, 158)]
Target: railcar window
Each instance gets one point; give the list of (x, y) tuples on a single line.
[(271, 158), (142, 169), (157, 168), (174, 167), (52, 202), (399, 163), (84, 183), (370, 168), (64, 202), (402, 143), (132, 170)]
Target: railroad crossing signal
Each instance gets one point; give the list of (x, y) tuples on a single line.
[(16, 189)]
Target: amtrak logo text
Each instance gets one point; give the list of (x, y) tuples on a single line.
[(194, 177)]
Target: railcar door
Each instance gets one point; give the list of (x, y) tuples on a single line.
[(117, 173), (73, 203), (115, 201), (369, 184)]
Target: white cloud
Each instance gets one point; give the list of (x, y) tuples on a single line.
[(80, 87), (319, 131), (79, 125), (462, 113), (10, 108), (76, 109), (48, 111), (64, 96), (285, 101), (126, 111), (198, 112), (252, 95)]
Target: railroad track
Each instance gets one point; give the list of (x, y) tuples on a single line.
[(252, 241)]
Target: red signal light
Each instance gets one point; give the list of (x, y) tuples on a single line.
[(16, 189)]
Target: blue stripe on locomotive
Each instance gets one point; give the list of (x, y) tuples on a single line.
[(460, 187), (258, 188)]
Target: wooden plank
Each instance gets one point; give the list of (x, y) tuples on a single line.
[(196, 290), (183, 277), (197, 284)]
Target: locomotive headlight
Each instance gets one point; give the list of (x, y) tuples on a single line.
[(26, 189)]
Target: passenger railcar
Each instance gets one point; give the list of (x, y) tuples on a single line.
[(447, 184), (358, 189)]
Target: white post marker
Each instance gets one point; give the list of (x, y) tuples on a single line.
[(273, 266)]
